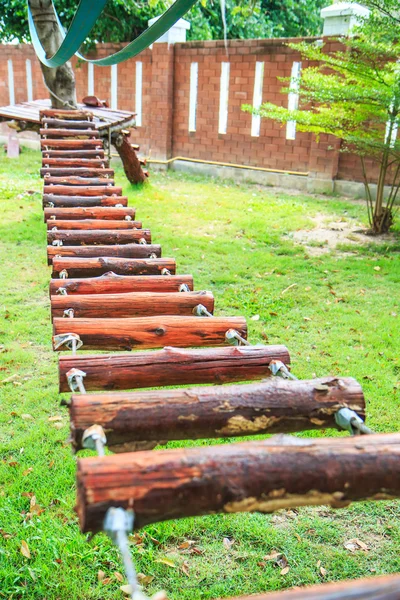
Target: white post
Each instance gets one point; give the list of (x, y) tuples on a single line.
[(293, 100), (114, 87), (29, 87), (138, 93), (11, 91), (90, 79), (224, 98), (194, 76), (257, 98)]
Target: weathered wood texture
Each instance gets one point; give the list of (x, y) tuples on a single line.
[(79, 134), (89, 190), (85, 252), (372, 588), (81, 182), (131, 304), (99, 213), (150, 332), (71, 144), (111, 283), (69, 163), (58, 171), (92, 267), (61, 201), (93, 238), (172, 366), (93, 224), (262, 476), (97, 153), (276, 406), (131, 163), (68, 115), (68, 124)]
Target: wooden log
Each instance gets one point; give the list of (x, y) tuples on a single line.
[(89, 154), (263, 476), (370, 588), (58, 133), (92, 237), (71, 190), (93, 224), (79, 181), (150, 332), (76, 171), (69, 115), (99, 213), (131, 304), (126, 252), (111, 283), (172, 366), (82, 201), (276, 406), (68, 124), (74, 162), (132, 165), (71, 144), (93, 267)]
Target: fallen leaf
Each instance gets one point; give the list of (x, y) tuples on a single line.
[(282, 562), (298, 538), (27, 471), (185, 568), (55, 418), (166, 561), (306, 318), (106, 580), (127, 589), (100, 575), (27, 417), (377, 268), (272, 556), (318, 564), (323, 571), (58, 425), (255, 318), (228, 543), (25, 549), (118, 576), (285, 571), (144, 579), (355, 544)]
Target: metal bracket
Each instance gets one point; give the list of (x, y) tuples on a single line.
[(278, 368), (69, 313), (142, 242), (184, 287), (201, 311), (63, 274), (234, 338), (350, 421), (57, 243), (62, 291), (165, 272), (75, 380), (71, 340), (94, 438)]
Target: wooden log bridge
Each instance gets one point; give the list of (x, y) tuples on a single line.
[(111, 290), (263, 476), (275, 406)]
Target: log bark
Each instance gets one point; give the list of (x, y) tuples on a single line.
[(276, 406), (78, 171), (82, 201), (126, 251), (79, 181), (60, 113), (69, 154), (132, 304), (99, 213), (71, 144), (130, 161), (61, 80), (93, 224), (67, 123), (96, 163), (50, 132), (172, 366), (263, 476), (71, 190), (371, 588), (150, 332), (110, 237), (92, 267), (111, 283)]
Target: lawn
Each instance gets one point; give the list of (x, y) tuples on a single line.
[(337, 312)]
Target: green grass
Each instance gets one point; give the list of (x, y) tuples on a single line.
[(341, 317)]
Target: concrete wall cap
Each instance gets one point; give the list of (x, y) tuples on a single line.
[(181, 24), (342, 9)]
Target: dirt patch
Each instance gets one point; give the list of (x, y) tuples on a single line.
[(327, 234)]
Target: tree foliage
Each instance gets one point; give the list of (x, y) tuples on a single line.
[(123, 20), (354, 94)]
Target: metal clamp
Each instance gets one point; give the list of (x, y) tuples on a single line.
[(57, 243), (128, 218), (50, 205), (69, 313), (350, 421), (63, 274), (75, 380), (201, 311), (234, 338), (142, 242), (94, 438), (165, 272), (62, 291), (71, 340), (184, 287), (279, 369), (54, 229)]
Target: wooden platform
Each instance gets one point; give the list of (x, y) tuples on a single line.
[(105, 119)]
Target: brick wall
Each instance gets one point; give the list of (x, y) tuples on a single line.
[(166, 96)]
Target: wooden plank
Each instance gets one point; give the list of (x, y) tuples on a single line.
[(62, 201), (99, 213), (92, 237), (150, 332), (92, 267), (78, 181), (172, 366), (68, 123), (98, 153), (274, 406), (70, 190), (66, 133), (111, 283), (86, 253), (67, 163), (263, 476), (71, 144), (93, 224), (80, 172)]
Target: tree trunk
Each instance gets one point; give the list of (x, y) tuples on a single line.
[(131, 163), (61, 80), (263, 476), (274, 406)]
